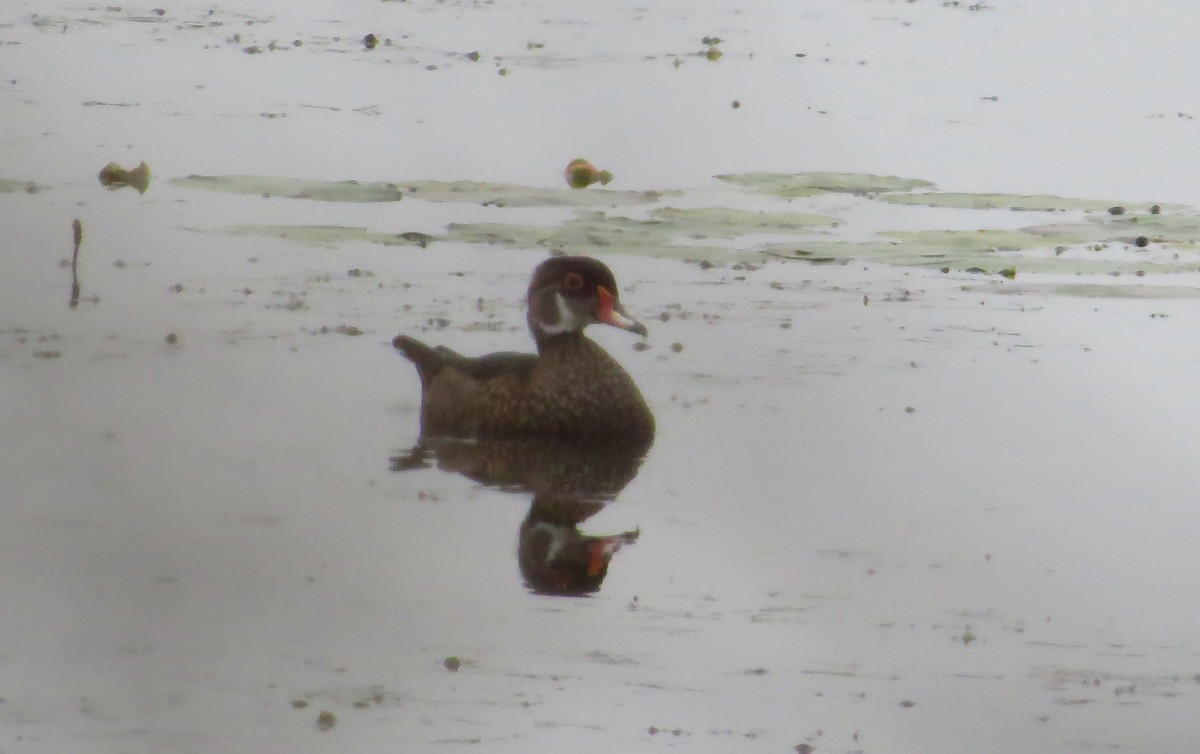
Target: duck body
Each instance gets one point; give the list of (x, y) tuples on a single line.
[(572, 389)]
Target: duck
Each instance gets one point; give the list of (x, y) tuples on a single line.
[(570, 390)]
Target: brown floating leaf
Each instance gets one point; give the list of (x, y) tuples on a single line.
[(114, 176)]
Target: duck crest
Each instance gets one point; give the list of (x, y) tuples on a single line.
[(572, 389)]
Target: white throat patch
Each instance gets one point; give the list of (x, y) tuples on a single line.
[(567, 322)]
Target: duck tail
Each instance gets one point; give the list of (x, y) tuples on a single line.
[(428, 361)]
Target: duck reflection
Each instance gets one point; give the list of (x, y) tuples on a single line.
[(555, 557), (570, 483)]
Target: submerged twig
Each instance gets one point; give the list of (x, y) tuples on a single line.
[(77, 228)]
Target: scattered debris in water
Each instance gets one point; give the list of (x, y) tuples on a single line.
[(420, 239), (29, 187), (580, 174), (326, 720), (341, 330), (77, 232), (114, 176)]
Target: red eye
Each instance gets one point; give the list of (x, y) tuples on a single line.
[(572, 282)]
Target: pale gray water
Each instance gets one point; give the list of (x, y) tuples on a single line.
[(195, 535)]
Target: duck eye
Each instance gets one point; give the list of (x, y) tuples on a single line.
[(572, 282)]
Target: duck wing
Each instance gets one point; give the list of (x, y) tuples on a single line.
[(431, 360), (491, 366)]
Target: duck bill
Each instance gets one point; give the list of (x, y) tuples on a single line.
[(612, 313)]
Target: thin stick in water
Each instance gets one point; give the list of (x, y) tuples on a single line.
[(77, 227)]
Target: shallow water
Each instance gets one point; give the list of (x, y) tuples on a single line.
[(889, 508)]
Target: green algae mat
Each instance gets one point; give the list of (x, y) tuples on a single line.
[(816, 217)]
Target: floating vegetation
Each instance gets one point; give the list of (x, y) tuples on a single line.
[(811, 184), (114, 176), (725, 222), (1122, 290), (473, 192), (580, 174), (984, 241), (510, 195), (1015, 202), (742, 225), (8, 185), (592, 232), (295, 188), (331, 235)]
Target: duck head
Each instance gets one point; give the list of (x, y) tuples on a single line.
[(567, 294)]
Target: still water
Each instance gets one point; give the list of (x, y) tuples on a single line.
[(889, 508)]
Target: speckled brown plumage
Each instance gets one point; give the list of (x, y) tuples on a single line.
[(571, 389)]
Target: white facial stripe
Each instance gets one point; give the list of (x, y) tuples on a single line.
[(558, 539), (566, 318)]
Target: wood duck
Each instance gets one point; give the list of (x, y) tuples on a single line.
[(570, 390)]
